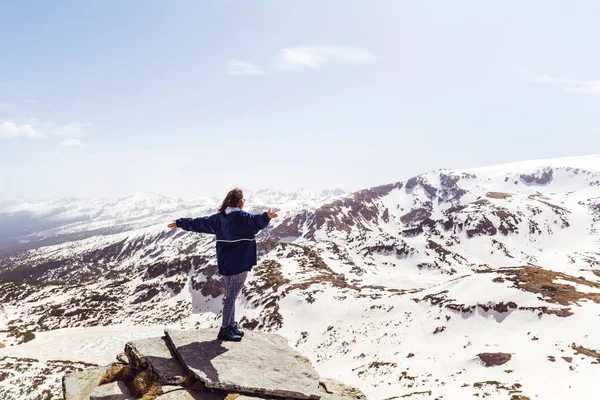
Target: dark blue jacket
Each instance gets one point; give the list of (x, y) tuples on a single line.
[(236, 243)]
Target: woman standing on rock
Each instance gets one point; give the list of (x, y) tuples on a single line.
[(236, 250)]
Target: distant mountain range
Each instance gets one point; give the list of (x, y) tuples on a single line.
[(27, 225), (407, 290)]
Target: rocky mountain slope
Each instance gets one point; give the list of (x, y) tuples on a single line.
[(413, 289)]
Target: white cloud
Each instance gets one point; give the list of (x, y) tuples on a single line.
[(72, 143), (237, 67), (69, 135), (575, 86), (591, 87), (318, 56), (13, 130), (301, 57), (51, 128)]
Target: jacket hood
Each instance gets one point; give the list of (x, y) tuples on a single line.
[(231, 217)]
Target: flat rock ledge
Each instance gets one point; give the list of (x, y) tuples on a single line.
[(261, 366)]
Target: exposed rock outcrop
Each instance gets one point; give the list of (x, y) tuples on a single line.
[(260, 364), (493, 359), (193, 364), (542, 177)]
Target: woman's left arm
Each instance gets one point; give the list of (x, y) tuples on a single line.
[(262, 220)]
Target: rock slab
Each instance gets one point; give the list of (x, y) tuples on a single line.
[(330, 389), (262, 363), (181, 394), (153, 353), (79, 385), (111, 391)]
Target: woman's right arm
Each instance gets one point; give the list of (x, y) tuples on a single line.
[(200, 224)]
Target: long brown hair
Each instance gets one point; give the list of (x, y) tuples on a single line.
[(232, 199)]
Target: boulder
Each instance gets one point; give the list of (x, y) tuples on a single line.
[(493, 359), (330, 389), (262, 363), (153, 353), (79, 385), (111, 391)]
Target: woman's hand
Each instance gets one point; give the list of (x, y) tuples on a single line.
[(173, 225), (271, 214)]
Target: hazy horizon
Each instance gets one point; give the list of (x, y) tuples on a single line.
[(291, 190)]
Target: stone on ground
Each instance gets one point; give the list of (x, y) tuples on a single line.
[(79, 385), (493, 359), (111, 391), (261, 363), (153, 353), (330, 389)]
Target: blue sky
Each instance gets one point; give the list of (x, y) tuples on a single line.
[(192, 98)]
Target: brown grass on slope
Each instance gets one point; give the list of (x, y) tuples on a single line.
[(539, 280), (498, 195)]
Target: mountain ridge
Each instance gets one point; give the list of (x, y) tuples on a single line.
[(445, 266)]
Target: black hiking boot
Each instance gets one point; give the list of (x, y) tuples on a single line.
[(227, 334), (235, 328)]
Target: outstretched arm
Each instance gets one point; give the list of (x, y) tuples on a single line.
[(201, 224), (262, 220)]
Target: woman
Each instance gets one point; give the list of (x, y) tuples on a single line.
[(236, 250)]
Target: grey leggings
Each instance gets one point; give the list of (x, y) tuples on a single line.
[(233, 287)]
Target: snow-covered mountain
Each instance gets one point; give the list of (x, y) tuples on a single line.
[(399, 290), (276, 197), (29, 225)]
